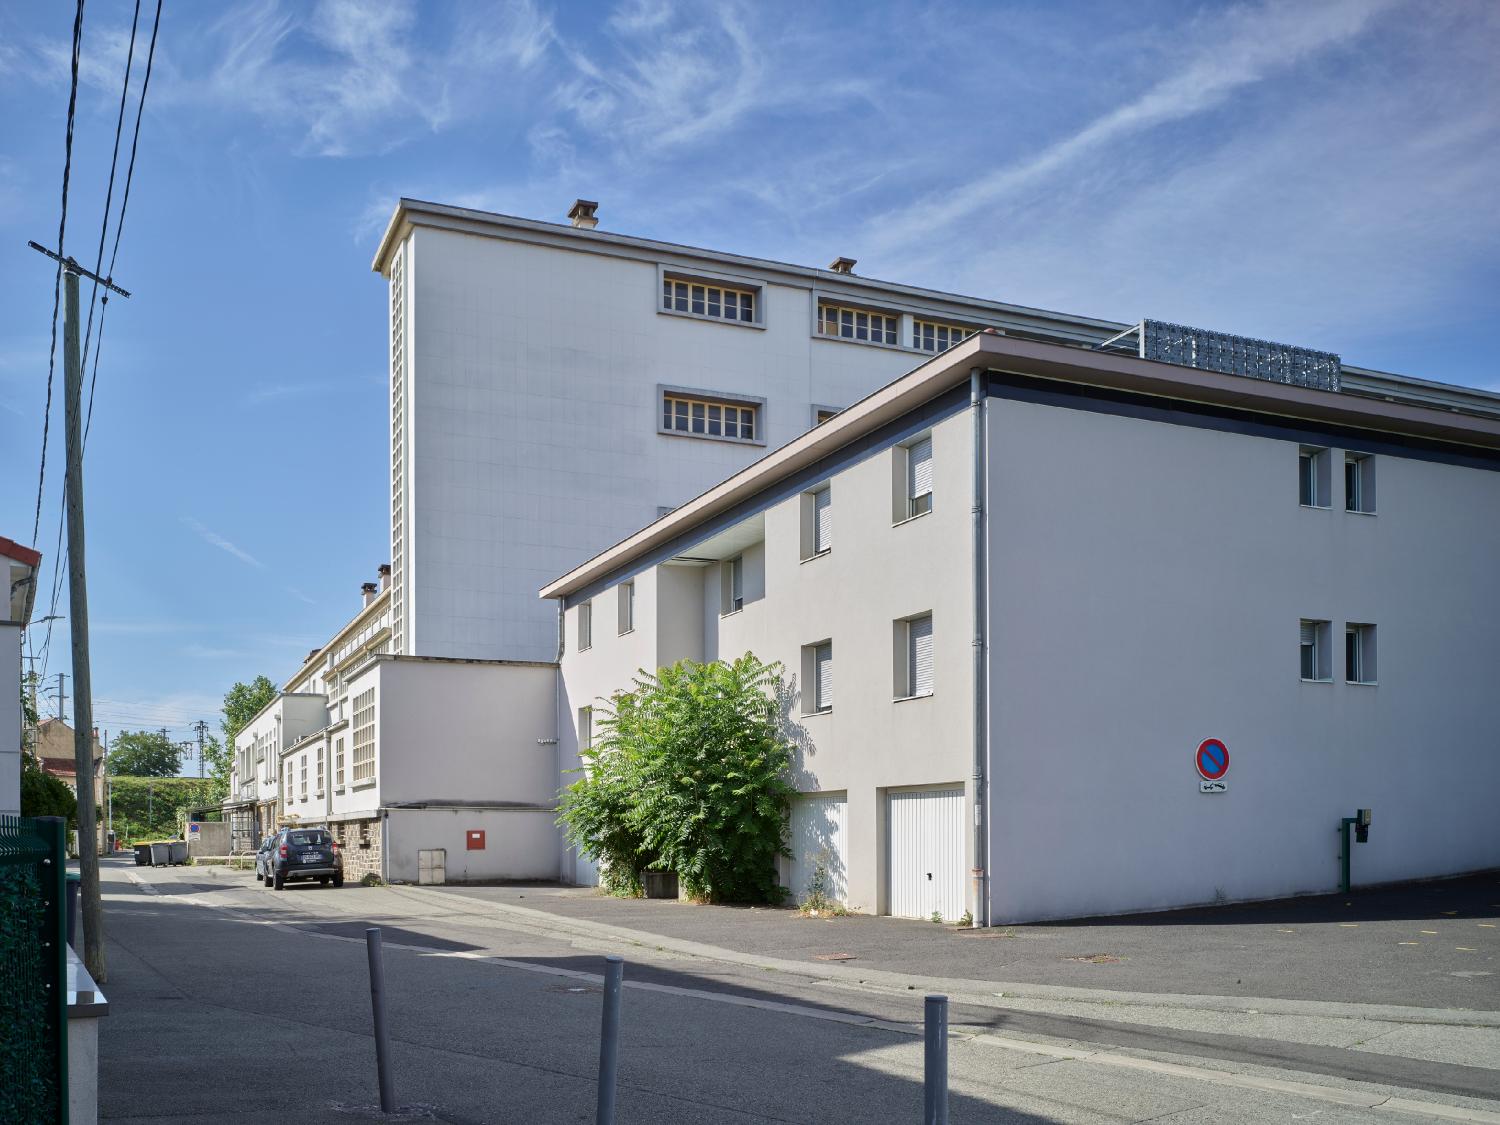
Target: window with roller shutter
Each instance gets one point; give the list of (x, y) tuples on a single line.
[(919, 655)]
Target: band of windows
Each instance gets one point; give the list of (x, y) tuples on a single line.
[(857, 324), (707, 300), (933, 337), (712, 419)]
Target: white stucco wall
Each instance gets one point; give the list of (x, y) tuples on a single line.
[(10, 720), (875, 574), (1147, 582), (533, 408)]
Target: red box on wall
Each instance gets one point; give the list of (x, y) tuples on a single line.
[(475, 839)]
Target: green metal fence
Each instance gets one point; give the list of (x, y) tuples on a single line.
[(33, 971)]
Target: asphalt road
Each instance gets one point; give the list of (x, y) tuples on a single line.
[(229, 1002), (1434, 944)]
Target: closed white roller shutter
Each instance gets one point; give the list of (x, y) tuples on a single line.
[(919, 468), (823, 677), (926, 868), (823, 520), (919, 655), (820, 829)]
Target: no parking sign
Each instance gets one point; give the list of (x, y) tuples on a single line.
[(1212, 763)]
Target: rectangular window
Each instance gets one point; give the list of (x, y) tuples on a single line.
[(304, 776), (1359, 483), (585, 626), (822, 676), (338, 763), (627, 607), (734, 584), (710, 299), (363, 736), (737, 421), (857, 324), (1359, 654), (931, 336), (1316, 657), (913, 657), (585, 728), (822, 520), (1312, 477), (919, 477), (318, 788)]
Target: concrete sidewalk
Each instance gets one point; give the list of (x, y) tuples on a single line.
[(1432, 945)]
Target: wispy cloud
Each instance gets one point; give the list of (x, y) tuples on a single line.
[(300, 596), (214, 539)]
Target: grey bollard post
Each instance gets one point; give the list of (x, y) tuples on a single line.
[(73, 888), (377, 1003), (609, 1039), (935, 1081)]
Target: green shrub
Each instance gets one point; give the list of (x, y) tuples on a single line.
[(688, 774)]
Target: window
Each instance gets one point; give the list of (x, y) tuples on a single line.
[(708, 299), (585, 728), (734, 584), (1359, 483), (303, 763), (1312, 477), (1316, 659), (585, 626), (913, 638), (933, 337), (1359, 654), (817, 678), (338, 764), (364, 736), (318, 788), (735, 420), (817, 522), (627, 607), (821, 414), (912, 472), (856, 324)]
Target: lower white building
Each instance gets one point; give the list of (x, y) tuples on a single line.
[(1073, 631)]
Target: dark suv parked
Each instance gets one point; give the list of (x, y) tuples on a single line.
[(303, 853)]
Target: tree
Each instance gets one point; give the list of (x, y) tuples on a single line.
[(45, 795), (144, 753), (219, 759), (241, 704), (688, 775)]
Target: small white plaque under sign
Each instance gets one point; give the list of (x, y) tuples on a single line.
[(1213, 786)]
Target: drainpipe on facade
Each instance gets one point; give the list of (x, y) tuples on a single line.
[(385, 845), (981, 907), (563, 850)]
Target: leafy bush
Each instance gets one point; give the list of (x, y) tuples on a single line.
[(152, 807), (45, 795), (688, 775)]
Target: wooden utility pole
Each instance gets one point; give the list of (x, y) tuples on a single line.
[(78, 600)]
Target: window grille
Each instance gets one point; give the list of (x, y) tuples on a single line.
[(363, 736)]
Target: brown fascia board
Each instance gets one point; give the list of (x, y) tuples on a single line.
[(1076, 366)]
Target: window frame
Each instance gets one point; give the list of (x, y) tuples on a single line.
[(938, 327), (851, 309), (1321, 648), (625, 606), (729, 603), (709, 401), (1361, 659), (814, 657), (904, 678), (1319, 458), (1361, 500), (709, 280), (813, 545), (906, 503), (586, 625)]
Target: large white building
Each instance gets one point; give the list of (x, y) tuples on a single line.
[(556, 389), (1017, 589)]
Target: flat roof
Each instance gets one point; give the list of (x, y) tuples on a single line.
[(995, 352)]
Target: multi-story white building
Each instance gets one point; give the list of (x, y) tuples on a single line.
[(1017, 589)]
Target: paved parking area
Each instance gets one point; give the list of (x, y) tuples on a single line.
[(1433, 944)]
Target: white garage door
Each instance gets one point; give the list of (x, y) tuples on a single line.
[(926, 834), (820, 837)]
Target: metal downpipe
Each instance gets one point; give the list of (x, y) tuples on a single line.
[(980, 872)]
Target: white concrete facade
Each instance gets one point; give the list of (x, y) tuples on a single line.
[(1148, 565), (18, 568)]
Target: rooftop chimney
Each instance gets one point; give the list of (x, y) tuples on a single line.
[(368, 590), (312, 652), (582, 214), (384, 570), (842, 265)]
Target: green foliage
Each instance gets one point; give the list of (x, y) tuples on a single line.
[(818, 902), (29, 716), (688, 774), (151, 807), (241, 704), (45, 795), (144, 753)]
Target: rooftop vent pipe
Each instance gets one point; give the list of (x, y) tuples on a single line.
[(581, 214), (384, 571), (368, 590), (842, 265)]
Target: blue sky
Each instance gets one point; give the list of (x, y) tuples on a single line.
[(1322, 174)]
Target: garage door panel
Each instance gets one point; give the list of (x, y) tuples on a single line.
[(820, 835), (925, 837)]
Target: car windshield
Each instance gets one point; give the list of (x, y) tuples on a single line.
[(304, 838)]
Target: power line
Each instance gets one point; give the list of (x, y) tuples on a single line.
[(62, 226)]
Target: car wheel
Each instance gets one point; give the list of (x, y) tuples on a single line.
[(257, 874), (322, 880), (338, 881), (280, 881)]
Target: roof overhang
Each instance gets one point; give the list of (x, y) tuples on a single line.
[(1065, 364)]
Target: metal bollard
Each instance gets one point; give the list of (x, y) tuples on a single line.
[(73, 888), (609, 1039), (377, 1004), (935, 1080)]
